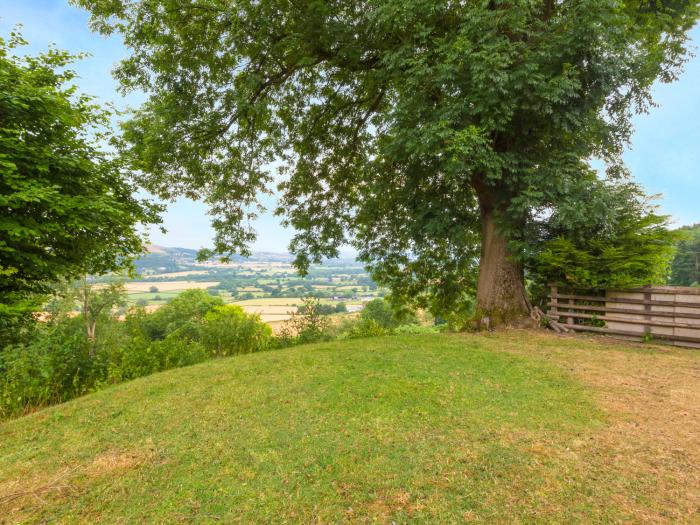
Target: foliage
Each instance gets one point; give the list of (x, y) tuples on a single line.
[(401, 126), (53, 367), (183, 315), (385, 315), (137, 357), (612, 239), (97, 302), (324, 309), (307, 325), (685, 269), (416, 329), (62, 360), (359, 328), (341, 308), (380, 312), (66, 207), (229, 330)]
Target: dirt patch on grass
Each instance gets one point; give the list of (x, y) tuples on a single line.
[(22, 498), (113, 461), (650, 450)]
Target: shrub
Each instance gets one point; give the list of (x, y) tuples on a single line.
[(59, 362), (140, 357), (307, 325), (184, 314), (379, 311), (320, 309), (341, 308), (56, 365), (228, 330), (153, 289), (366, 328), (417, 329)]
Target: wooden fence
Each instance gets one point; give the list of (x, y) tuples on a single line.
[(668, 313)]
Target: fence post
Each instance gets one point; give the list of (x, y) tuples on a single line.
[(570, 320), (647, 312), (553, 296)]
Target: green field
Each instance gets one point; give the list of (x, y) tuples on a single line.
[(151, 297), (419, 429)]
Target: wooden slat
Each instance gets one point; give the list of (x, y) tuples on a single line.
[(654, 313), (643, 322), (625, 300), (666, 337), (581, 297), (676, 290), (668, 290)]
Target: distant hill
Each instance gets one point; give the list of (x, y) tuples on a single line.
[(164, 259), (161, 259)]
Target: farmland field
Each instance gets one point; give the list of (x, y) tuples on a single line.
[(269, 286), (168, 286)]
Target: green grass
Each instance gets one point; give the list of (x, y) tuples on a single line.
[(420, 429)]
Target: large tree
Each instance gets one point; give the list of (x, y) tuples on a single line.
[(431, 134), (66, 208)]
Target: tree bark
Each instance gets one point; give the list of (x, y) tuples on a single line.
[(501, 297)]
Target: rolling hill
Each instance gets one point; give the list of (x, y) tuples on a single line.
[(509, 428)]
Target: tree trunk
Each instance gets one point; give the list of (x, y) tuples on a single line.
[(501, 297)]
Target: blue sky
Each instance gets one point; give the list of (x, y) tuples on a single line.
[(664, 157)]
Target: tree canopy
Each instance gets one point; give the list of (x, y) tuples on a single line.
[(441, 138), (685, 270), (66, 208)]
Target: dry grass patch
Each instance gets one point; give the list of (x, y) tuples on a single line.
[(651, 448), (22, 498)]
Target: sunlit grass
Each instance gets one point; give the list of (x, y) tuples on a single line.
[(419, 429)]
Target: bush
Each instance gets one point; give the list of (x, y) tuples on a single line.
[(341, 308), (365, 328), (140, 357), (386, 316), (56, 365), (307, 325), (183, 314), (59, 362), (418, 329), (228, 330)]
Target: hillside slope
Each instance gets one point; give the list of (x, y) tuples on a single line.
[(426, 429)]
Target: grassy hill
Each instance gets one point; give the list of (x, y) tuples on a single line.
[(515, 427)]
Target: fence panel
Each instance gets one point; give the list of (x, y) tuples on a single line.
[(668, 313)]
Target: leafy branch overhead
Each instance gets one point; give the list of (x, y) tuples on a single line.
[(66, 207), (437, 137)]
